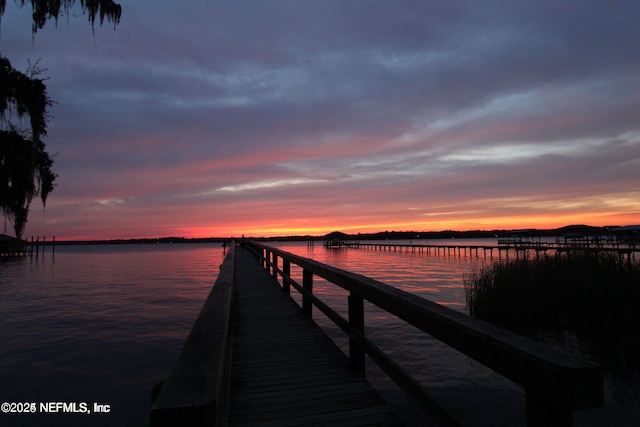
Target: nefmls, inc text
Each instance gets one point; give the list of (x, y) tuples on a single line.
[(74, 407)]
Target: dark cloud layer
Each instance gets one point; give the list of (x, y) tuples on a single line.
[(217, 118)]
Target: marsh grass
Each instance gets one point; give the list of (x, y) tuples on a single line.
[(592, 296)]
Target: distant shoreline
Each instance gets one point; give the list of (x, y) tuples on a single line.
[(382, 235)]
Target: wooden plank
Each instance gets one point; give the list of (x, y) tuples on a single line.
[(335, 389), (286, 370)]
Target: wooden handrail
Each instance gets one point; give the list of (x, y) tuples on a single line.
[(196, 392), (556, 384)]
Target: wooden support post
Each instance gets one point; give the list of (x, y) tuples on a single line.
[(274, 265), (307, 283), (286, 270), (356, 324)]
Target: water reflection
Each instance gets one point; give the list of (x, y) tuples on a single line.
[(98, 324)]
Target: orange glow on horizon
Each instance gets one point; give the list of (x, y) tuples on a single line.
[(277, 229)]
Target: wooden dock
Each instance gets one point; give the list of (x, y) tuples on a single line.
[(285, 371), (10, 247), (256, 358)]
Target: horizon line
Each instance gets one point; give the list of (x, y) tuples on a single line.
[(302, 236)]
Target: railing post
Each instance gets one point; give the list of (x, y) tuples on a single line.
[(286, 272), (274, 265), (307, 284), (356, 324)]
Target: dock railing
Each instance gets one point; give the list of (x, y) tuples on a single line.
[(556, 384)]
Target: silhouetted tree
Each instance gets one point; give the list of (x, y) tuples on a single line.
[(25, 165)]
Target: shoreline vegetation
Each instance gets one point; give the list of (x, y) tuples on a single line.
[(586, 303)]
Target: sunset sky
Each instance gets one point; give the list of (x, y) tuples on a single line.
[(211, 118)]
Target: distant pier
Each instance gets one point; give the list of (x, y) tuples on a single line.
[(10, 247), (519, 248)]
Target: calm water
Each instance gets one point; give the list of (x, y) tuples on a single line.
[(98, 324), (103, 324)]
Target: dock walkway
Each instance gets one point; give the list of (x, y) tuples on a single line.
[(285, 370), (253, 358)]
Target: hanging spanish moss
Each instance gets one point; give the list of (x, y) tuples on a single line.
[(43, 10), (25, 165)]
